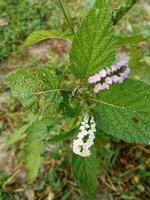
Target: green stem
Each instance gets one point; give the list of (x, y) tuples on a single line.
[(66, 15), (120, 12)]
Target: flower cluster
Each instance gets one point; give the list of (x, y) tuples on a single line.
[(85, 138), (117, 73)]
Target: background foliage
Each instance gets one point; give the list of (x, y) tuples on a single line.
[(124, 168)]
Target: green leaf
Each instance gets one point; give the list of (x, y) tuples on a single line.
[(34, 148), (17, 135), (88, 5), (64, 137), (141, 72), (135, 57), (41, 35), (124, 40), (93, 44), (33, 158), (85, 172), (124, 111), (36, 88), (67, 106)]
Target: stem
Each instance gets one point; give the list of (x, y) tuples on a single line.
[(66, 15), (54, 90), (120, 12)]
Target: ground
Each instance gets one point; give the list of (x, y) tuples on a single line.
[(125, 172)]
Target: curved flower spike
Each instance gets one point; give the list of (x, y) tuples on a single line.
[(85, 138)]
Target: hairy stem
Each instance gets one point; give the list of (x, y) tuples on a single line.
[(60, 2), (124, 8)]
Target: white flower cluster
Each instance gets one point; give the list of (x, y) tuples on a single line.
[(85, 138)]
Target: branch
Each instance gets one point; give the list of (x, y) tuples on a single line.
[(60, 2), (124, 8)]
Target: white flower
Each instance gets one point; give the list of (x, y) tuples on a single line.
[(85, 138)]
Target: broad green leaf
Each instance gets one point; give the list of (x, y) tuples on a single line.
[(85, 172), (93, 44), (41, 35), (34, 148), (124, 111), (36, 88)]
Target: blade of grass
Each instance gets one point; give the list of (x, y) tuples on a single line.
[(65, 13)]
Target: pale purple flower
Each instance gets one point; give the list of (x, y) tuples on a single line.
[(114, 68), (97, 88), (97, 77), (125, 74), (94, 79), (109, 80), (90, 80), (115, 78), (120, 64), (105, 86), (102, 73), (121, 80), (106, 77)]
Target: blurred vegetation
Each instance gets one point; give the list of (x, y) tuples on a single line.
[(19, 18), (124, 168)]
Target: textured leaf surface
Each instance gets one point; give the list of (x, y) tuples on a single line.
[(39, 36), (124, 111), (85, 172), (93, 44), (36, 88)]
